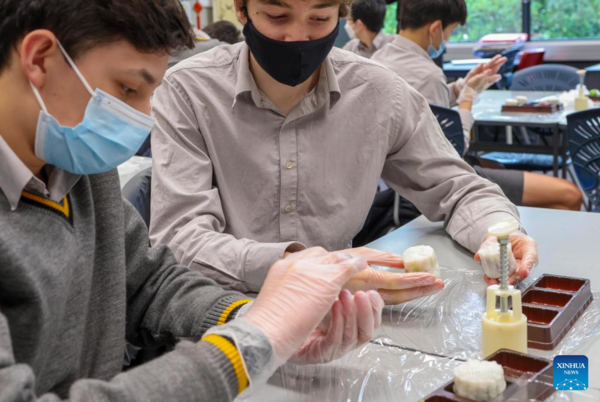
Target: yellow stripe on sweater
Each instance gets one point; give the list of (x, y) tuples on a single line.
[(228, 310), (64, 209), (234, 357)]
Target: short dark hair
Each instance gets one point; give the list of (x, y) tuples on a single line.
[(415, 14), (224, 31), (149, 25), (370, 12)]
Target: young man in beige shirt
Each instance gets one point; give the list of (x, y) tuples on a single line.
[(426, 27), (276, 144), (365, 28)]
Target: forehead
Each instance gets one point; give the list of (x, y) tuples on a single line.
[(122, 55), (291, 4)]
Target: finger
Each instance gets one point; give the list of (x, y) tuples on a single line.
[(335, 275), (477, 258), (393, 297), (349, 314), (372, 279), (518, 277), (387, 260), (365, 320), (398, 281), (377, 257), (377, 305), (335, 332)]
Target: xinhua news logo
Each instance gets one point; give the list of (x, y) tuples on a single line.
[(571, 373)]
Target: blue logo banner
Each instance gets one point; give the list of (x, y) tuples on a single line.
[(571, 373)]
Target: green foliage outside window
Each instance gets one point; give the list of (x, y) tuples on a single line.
[(565, 19), (550, 19), (391, 22)]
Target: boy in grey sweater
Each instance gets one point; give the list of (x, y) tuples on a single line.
[(77, 276)]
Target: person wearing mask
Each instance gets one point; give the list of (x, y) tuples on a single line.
[(365, 27), (427, 25), (78, 278), (286, 149)]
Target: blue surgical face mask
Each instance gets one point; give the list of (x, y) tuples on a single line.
[(432, 51), (111, 132)]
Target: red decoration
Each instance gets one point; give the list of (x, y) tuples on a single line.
[(198, 10)]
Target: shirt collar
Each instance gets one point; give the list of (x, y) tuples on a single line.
[(409, 45), (378, 42), (328, 84), (16, 177)]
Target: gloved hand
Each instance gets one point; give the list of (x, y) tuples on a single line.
[(476, 85), (524, 249), (297, 294), (493, 66), (349, 325), (394, 288)]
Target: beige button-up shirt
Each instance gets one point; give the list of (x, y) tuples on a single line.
[(16, 177), (413, 64), (235, 181), (356, 46)]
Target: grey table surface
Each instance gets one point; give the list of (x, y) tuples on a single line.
[(421, 342)]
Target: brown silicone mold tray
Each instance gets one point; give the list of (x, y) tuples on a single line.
[(534, 108), (517, 366), (553, 304)]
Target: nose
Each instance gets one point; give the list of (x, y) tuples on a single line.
[(297, 32)]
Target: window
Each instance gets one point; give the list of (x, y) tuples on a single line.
[(550, 19), (565, 19), (390, 24), (488, 17)]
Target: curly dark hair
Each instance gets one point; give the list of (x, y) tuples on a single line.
[(149, 25), (224, 31)]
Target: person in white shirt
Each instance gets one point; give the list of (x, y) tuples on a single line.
[(426, 28), (365, 28)]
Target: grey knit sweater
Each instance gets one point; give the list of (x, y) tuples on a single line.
[(77, 280)]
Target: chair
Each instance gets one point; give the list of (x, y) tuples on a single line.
[(507, 69), (531, 58), (451, 126), (137, 192), (584, 145), (547, 77)]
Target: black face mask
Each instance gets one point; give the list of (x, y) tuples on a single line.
[(290, 63)]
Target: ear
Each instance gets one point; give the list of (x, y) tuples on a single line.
[(435, 26), (359, 25), (241, 11), (36, 51)]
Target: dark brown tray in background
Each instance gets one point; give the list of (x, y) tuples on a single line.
[(533, 108), (536, 370), (553, 304)]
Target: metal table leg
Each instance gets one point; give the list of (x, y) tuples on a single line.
[(555, 148)]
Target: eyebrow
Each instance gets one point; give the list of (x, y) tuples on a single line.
[(144, 74), (279, 3)]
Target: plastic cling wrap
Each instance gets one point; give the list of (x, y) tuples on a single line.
[(418, 347)]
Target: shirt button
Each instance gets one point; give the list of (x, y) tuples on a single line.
[(289, 164), (288, 208)]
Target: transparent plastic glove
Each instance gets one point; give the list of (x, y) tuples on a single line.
[(394, 288), (350, 324), (489, 255), (493, 66), (526, 253), (297, 294)]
